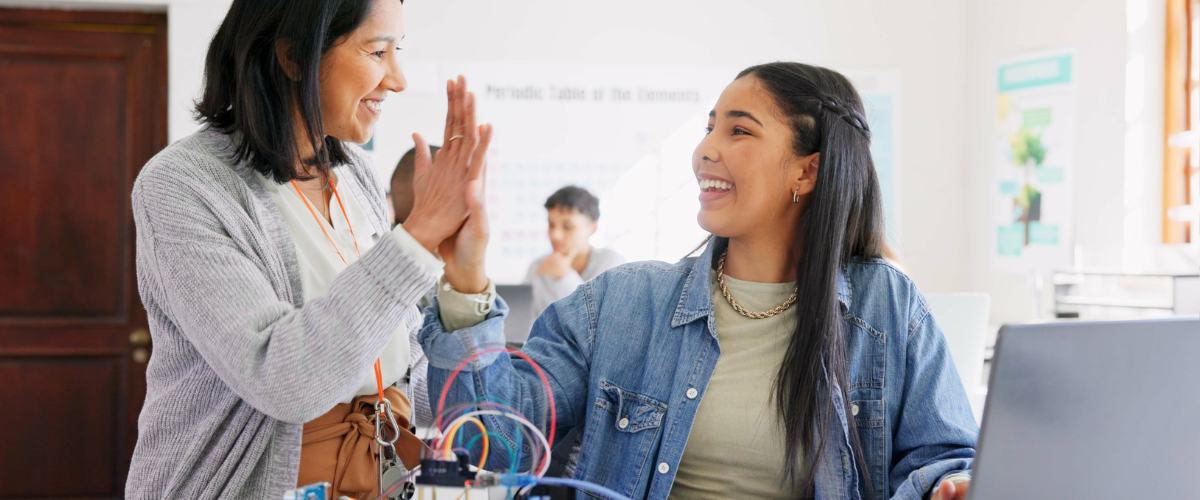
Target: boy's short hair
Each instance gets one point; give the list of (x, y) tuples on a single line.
[(575, 198)]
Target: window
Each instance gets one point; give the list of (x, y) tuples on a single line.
[(1181, 177)]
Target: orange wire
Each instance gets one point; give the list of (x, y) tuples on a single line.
[(483, 432)]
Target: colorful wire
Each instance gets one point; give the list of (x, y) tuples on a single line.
[(521, 430), (545, 443), (545, 383), (499, 439), (592, 488), (483, 432)]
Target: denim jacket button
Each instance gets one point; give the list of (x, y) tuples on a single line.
[(663, 468), (623, 423), (692, 393), (854, 410)]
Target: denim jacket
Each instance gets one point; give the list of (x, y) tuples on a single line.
[(624, 352)]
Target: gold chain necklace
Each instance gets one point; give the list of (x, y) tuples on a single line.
[(738, 307)]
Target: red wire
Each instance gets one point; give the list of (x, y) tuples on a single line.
[(541, 374)]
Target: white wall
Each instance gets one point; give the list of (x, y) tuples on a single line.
[(190, 26), (922, 39), (1145, 77), (945, 51), (1095, 29)]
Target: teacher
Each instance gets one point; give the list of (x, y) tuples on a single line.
[(280, 304)]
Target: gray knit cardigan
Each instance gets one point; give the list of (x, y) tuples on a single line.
[(240, 362)]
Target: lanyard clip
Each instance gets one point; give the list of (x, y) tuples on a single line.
[(384, 408)]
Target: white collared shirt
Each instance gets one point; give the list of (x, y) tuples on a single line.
[(319, 261)]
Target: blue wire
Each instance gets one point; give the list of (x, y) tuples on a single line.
[(491, 398), (582, 485), (458, 436), (514, 463), (517, 425), (497, 437)]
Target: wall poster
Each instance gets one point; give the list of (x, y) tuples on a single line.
[(1033, 163)]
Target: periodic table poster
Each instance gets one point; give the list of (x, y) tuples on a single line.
[(627, 135)]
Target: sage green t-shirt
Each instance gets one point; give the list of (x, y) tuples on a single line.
[(736, 447)]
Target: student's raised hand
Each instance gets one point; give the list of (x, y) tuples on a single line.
[(557, 264), (955, 489), (441, 188), (464, 251)]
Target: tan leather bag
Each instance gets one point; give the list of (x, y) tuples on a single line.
[(339, 447)]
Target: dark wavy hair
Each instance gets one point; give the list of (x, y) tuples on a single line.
[(248, 94), (843, 220)]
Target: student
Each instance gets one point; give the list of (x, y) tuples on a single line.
[(789, 360), (572, 213), (400, 189), (271, 277)]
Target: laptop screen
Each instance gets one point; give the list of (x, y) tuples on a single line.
[(520, 312), (1092, 410)]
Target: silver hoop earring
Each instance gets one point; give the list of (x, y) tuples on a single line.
[(796, 195)]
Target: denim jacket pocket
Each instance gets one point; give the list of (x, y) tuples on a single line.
[(870, 419), (622, 424), (635, 412)]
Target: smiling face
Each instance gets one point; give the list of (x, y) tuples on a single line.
[(747, 166), (358, 72)]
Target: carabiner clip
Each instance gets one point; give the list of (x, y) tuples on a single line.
[(384, 407)]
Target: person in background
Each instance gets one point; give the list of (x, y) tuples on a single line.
[(400, 190), (572, 213)]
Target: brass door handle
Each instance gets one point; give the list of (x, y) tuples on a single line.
[(140, 339)]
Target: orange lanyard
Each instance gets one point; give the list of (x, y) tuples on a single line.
[(378, 369)]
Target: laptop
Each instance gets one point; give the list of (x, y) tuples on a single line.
[(520, 312), (1092, 411)]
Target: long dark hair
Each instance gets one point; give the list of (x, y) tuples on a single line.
[(843, 220), (248, 94)]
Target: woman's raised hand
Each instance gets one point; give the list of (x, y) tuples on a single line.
[(465, 250), (444, 191)]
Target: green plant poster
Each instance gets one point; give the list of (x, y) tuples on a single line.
[(1033, 165)]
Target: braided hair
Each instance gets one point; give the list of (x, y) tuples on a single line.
[(850, 115), (843, 220)]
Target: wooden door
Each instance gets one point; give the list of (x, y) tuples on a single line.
[(82, 108)]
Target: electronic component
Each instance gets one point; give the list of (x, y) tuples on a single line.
[(447, 479), (446, 472), (316, 491)]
